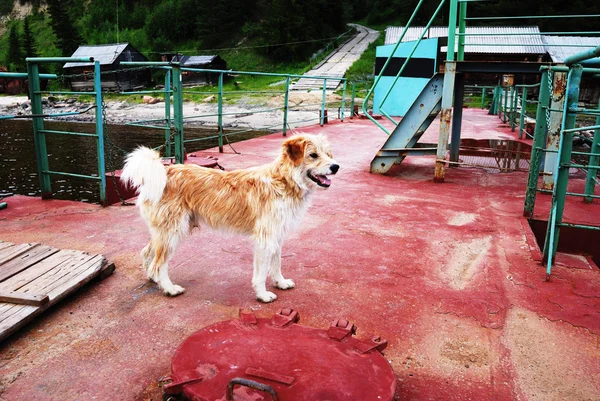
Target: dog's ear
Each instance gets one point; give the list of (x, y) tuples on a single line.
[(294, 148)]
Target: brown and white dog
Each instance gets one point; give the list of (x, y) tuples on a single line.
[(264, 202)]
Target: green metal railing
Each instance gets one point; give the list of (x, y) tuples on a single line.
[(40, 133), (457, 20), (564, 152)]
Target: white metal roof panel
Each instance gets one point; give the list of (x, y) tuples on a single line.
[(493, 40), (105, 54), (561, 47)]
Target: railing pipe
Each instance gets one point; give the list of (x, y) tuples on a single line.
[(167, 92), (100, 132), (286, 99), (220, 112), (592, 53)]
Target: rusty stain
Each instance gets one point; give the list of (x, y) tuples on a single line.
[(559, 87)]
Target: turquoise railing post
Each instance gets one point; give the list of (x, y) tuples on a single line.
[(100, 132), (462, 27), (513, 108), (220, 112), (523, 112), (286, 99), (352, 100), (178, 113), (39, 138), (505, 105), (561, 172), (323, 101), (590, 182), (168, 145), (343, 108), (539, 141)]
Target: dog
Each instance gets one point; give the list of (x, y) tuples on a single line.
[(264, 203)]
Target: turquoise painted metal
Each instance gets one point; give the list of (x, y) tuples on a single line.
[(100, 131), (220, 112), (590, 182), (167, 96), (410, 129), (178, 113), (39, 138), (538, 146), (39, 132)]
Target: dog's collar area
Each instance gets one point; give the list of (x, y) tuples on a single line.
[(320, 180)]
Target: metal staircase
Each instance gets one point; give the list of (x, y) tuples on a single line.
[(403, 141)]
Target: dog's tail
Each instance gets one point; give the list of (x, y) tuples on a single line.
[(143, 170)]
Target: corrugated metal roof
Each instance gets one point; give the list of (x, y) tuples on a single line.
[(194, 60), (562, 47), (105, 54), (521, 40)]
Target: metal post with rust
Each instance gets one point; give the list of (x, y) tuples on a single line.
[(447, 97), (564, 163), (557, 101)]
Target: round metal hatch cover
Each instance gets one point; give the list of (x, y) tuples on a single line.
[(277, 359)]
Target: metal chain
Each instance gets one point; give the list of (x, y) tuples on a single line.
[(550, 87)]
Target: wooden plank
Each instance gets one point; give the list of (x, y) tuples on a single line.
[(37, 270), (53, 278), (24, 314), (21, 298), (25, 260), (5, 245), (10, 253)]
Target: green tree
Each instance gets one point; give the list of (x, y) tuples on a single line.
[(28, 41), (13, 56), (64, 29)]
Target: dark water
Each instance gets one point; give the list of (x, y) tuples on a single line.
[(76, 154)]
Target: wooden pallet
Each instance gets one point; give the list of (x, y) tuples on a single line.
[(34, 277)]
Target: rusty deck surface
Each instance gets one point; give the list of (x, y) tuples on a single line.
[(447, 273)]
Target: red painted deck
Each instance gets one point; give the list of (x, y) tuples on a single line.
[(444, 272)]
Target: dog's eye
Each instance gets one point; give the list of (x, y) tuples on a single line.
[(314, 155)]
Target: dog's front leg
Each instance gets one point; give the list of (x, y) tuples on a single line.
[(263, 255), (278, 279)]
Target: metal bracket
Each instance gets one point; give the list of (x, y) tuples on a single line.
[(341, 329), (376, 343), (173, 384), (284, 317)]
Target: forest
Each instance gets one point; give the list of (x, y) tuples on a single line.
[(270, 33)]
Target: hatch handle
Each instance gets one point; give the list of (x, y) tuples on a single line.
[(251, 384)]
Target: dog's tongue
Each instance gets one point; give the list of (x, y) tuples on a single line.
[(324, 180)]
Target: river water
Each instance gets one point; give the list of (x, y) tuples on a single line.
[(76, 154)]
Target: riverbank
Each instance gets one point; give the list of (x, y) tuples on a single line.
[(241, 112)]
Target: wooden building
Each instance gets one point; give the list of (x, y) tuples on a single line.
[(110, 57), (190, 78)]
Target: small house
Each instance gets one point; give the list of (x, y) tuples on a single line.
[(110, 57), (192, 78)]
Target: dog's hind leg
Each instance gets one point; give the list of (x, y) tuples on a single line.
[(164, 246), (263, 256), (275, 272)]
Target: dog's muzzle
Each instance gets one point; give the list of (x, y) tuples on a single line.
[(321, 179)]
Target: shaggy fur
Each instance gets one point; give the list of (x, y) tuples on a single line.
[(263, 202)]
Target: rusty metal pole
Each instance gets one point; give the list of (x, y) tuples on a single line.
[(447, 97), (557, 101)]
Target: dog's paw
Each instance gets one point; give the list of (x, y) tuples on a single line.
[(266, 297), (285, 284), (174, 290)]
